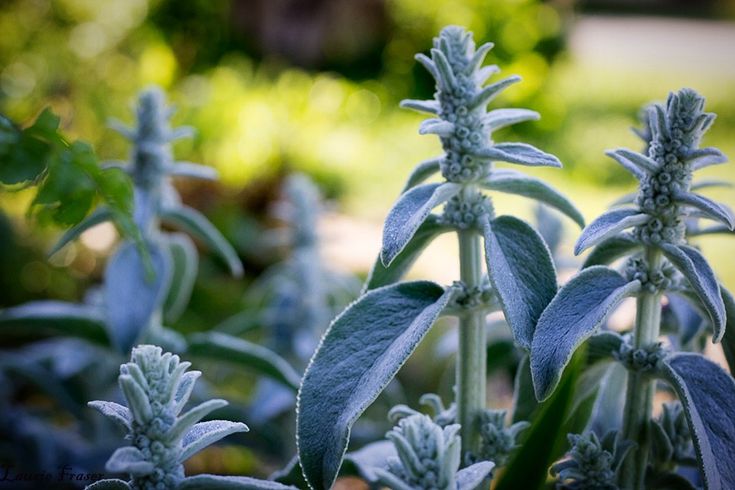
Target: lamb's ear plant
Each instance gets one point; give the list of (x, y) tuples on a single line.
[(660, 262), (369, 342), (157, 387)]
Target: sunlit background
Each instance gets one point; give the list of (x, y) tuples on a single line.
[(314, 86)]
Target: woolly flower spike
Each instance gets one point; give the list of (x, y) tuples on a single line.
[(429, 458), (443, 416), (593, 464), (497, 440), (664, 199), (156, 387)]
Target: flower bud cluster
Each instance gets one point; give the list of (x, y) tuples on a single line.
[(641, 359), (674, 132), (663, 278), (469, 298), (592, 463), (153, 372), (467, 212), (441, 415), (428, 455), (497, 441)]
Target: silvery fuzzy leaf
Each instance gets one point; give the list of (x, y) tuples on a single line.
[(608, 225), (478, 57), (99, 215), (487, 94), (57, 318), (412, 209), (445, 78), (220, 482), (130, 460), (423, 171), (193, 170), (132, 298), (381, 275), (484, 73), (430, 106), (196, 224), (607, 412), (469, 478), (698, 272), (185, 422), (611, 249), (634, 162), (113, 411), (109, 484), (183, 391), (185, 268), (710, 230), (226, 348), (728, 340), (428, 64), (512, 182), (686, 318), (137, 400), (522, 273), (500, 118), (704, 157), (708, 207), (438, 127), (372, 456), (705, 390), (203, 434), (520, 153), (359, 354), (576, 312), (705, 184)]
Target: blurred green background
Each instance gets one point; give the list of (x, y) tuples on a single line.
[(314, 85)]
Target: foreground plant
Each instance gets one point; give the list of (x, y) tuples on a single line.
[(367, 344), (156, 387), (660, 262)]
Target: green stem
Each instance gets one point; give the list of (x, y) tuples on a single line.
[(640, 391), (472, 355)]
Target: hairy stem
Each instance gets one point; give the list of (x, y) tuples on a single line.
[(639, 399), (472, 355)]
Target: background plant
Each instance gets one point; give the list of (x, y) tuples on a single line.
[(366, 345), (660, 262)]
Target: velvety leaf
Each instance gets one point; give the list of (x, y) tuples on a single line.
[(705, 390), (109, 484), (608, 225), (369, 457), (412, 209), (183, 391), (359, 354), (611, 249), (421, 172), (697, 271), (704, 157), (429, 106), (685, 318), (445, 77), (487, 94), (634, 162), (132, 296), (185, 268), (98, 216), (521, 272), (728, 340), (196, 224), (520, 153), (469, 478), (381, 275), (710, 230), (129, 459), (580, 307), (226, 348), (708, 207), (436, 126), (500, 118), (44, 318), (113, 411), (185, 422), (193, 170), (203, 434), (219, 482), (704, 184), (512, 182), (607, 412)]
